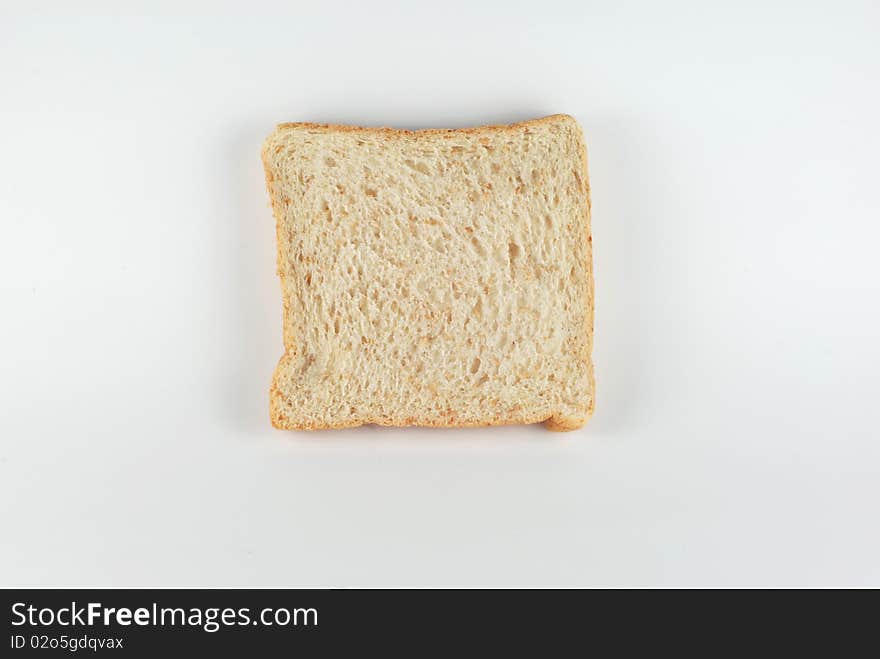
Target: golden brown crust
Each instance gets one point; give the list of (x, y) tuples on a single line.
[(396, 132), (554, 422)]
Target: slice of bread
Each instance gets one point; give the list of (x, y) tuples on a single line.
[(433, 277)]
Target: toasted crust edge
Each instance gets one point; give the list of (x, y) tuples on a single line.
[(555, 422)]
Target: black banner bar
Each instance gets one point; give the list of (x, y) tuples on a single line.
[(326, 622)]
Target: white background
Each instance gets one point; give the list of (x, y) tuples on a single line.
[(734, 163)]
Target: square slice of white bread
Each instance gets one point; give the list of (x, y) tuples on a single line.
[(433, 277)]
